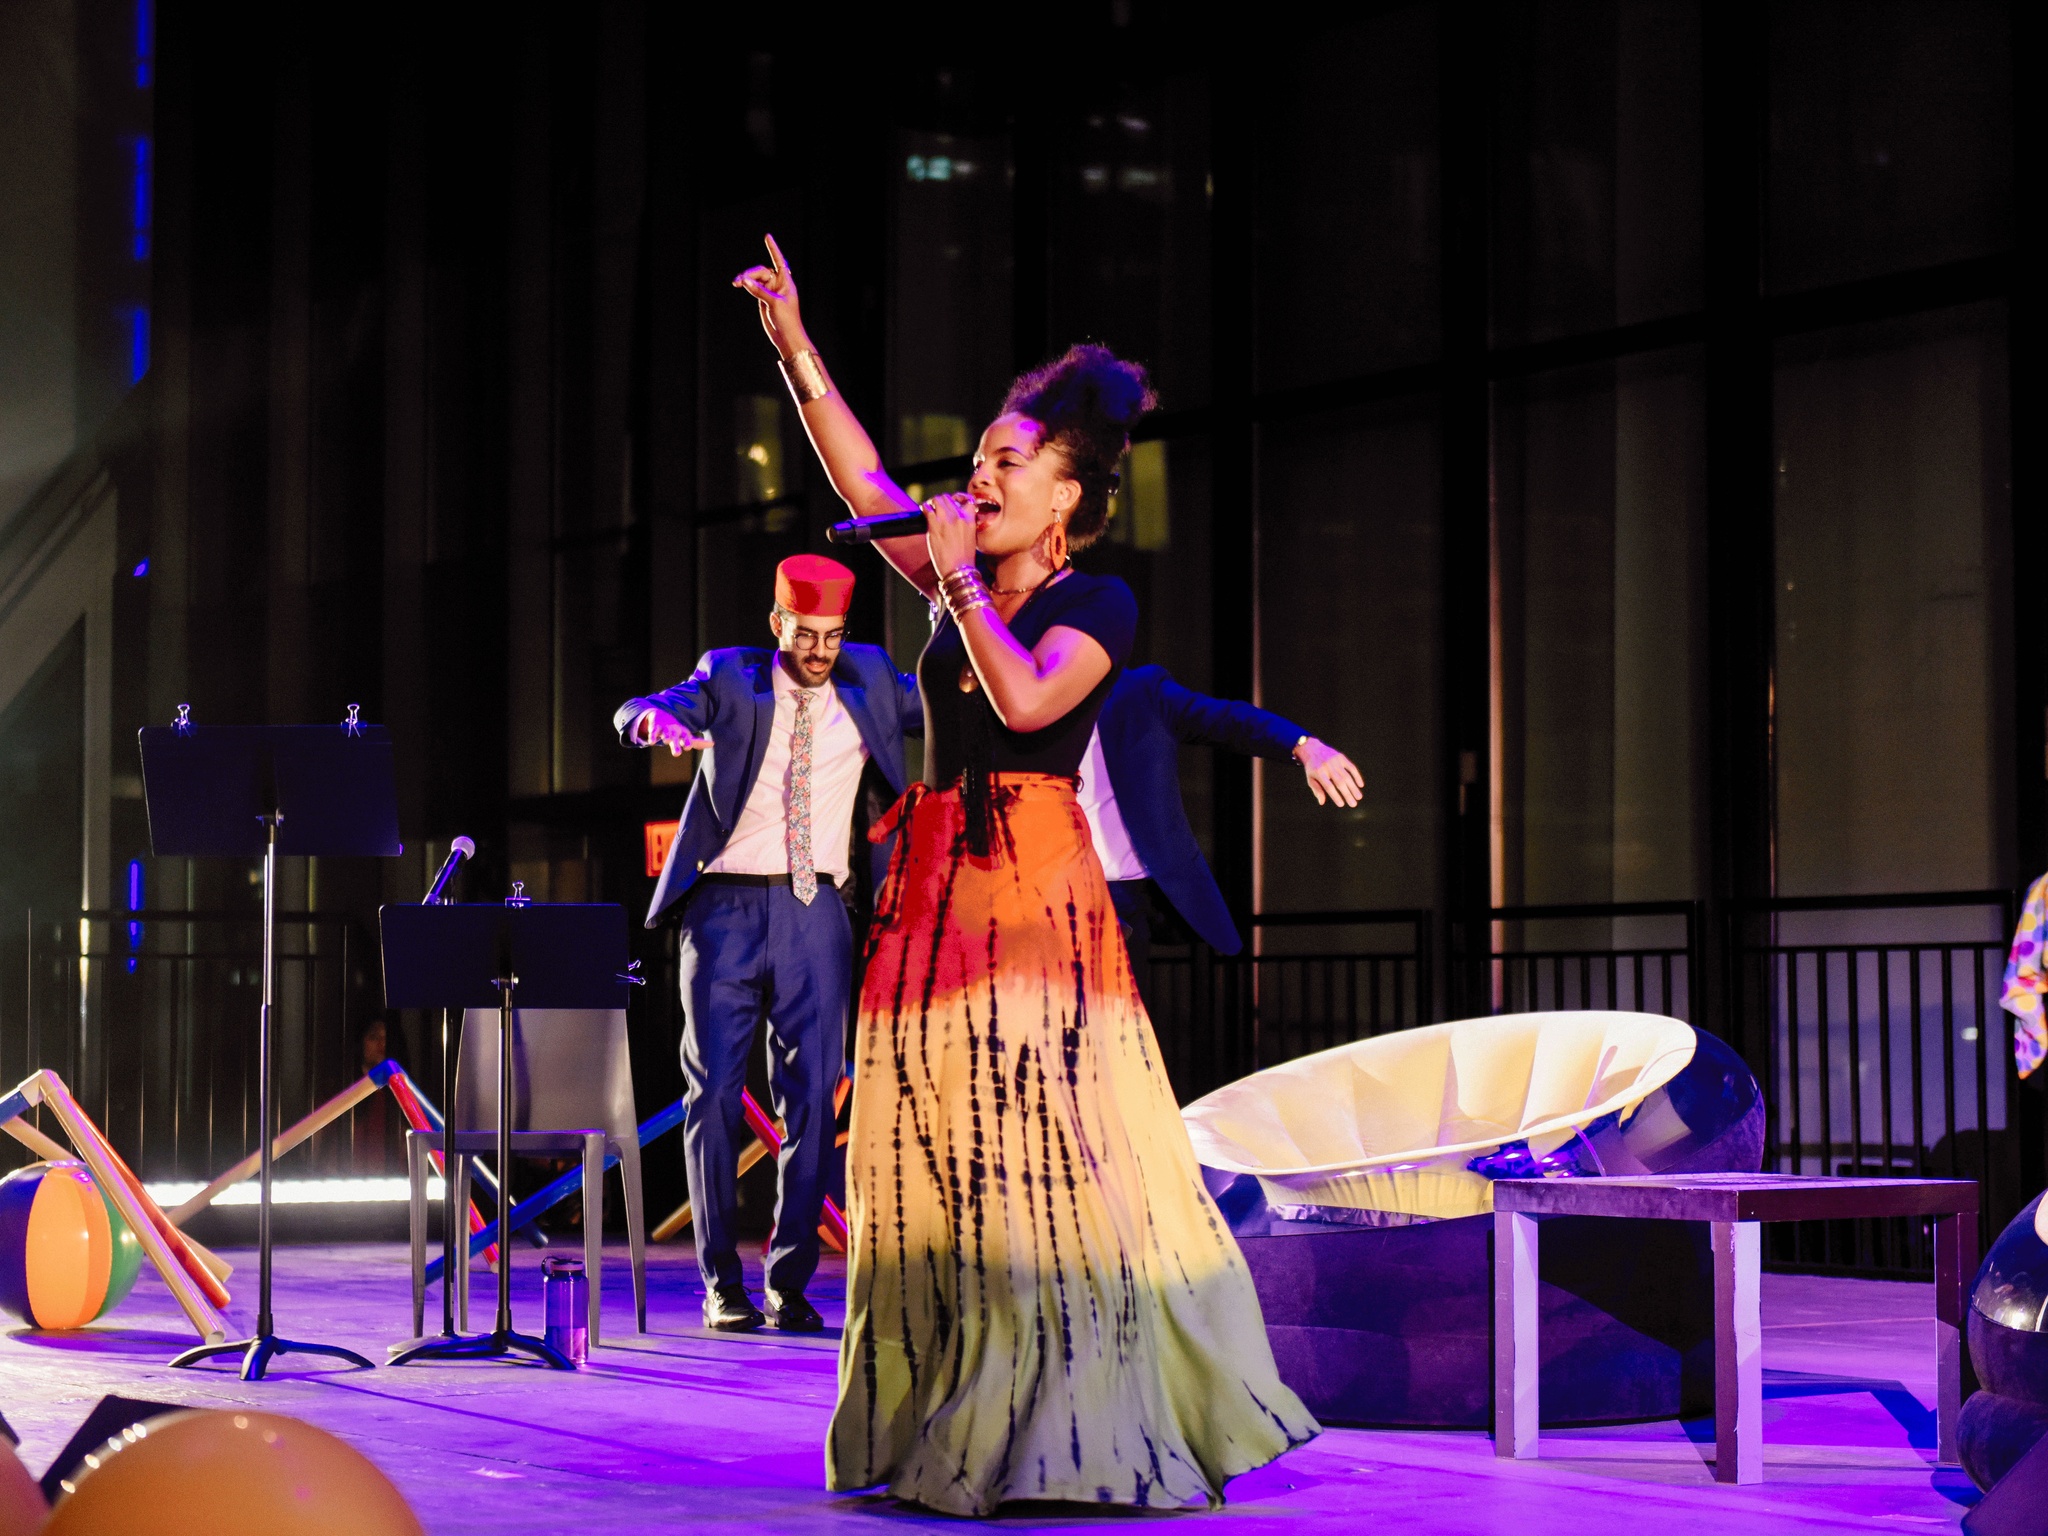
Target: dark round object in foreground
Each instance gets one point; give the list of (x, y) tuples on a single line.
[(2008, 1320), (1995, 1432), (2007, 1328)]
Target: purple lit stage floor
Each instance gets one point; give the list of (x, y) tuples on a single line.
[(681, 1429)]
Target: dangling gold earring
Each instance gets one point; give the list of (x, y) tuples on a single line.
[(1056, 545)]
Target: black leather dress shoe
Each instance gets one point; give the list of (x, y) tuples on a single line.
[(730, 1310), (788, 1311)]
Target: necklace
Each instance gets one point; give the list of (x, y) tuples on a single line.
[(1020, 591)]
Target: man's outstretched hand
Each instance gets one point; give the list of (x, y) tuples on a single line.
[(658, 725), (1331, 775)]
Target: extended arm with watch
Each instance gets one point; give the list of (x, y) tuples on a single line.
[(1196, 719)]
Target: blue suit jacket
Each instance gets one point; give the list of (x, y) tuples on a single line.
[(731, 699), (1144, 723)]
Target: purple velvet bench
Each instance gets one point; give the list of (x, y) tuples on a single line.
[(1735, 1204)]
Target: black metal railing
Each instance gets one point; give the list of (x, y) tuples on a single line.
[(1883, 1052), (1309, 981), (1871, 1023), (1602, 955), (151, 1018)]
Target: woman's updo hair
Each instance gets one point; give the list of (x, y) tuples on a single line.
[(1087, 402)]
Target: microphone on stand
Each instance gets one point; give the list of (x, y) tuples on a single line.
[(864, 530), (462, 848)]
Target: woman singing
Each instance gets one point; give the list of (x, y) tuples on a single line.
[(1042, 1302)]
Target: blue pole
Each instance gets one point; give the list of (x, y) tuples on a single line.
[(529, 1210)]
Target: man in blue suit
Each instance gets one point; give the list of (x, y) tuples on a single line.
[(756, 873), (1130, 790)]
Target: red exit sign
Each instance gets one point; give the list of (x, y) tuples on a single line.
[(660, 836)]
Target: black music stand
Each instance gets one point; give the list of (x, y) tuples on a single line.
[(558, 955), (249, 791)]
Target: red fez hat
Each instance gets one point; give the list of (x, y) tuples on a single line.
[(815, 585)]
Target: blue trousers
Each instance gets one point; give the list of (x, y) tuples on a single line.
[(748, 953)]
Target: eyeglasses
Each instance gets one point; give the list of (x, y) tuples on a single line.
[(811, 640)]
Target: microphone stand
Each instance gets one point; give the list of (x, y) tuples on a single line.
[(448, 1344)]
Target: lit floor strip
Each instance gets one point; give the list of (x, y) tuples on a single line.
[(301, 1192)]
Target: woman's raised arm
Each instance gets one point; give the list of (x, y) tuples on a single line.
[(842, 444)]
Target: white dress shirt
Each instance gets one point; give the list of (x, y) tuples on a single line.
[(1106, 828), (759, 843)]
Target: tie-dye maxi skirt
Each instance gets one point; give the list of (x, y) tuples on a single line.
[(1042, 1300)]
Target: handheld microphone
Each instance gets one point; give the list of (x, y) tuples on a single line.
[(864, 530), (462, 848)]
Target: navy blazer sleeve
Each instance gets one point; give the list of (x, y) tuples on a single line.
[(691, 702), (1200, 721)]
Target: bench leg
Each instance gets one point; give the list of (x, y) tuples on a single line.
[(1955, 1266), (1514, 1336), (1738, 1353)]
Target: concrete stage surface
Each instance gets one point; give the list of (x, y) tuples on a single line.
[(682, 1429)]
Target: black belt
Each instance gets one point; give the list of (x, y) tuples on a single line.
[(761, 882)]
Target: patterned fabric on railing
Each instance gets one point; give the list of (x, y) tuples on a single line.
[(2026, 981)]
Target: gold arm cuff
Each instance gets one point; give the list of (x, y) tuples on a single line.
[(806, 377)]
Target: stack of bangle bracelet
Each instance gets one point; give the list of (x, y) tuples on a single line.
[(964, 591)]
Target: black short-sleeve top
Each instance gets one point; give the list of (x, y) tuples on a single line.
[(1099, 606)]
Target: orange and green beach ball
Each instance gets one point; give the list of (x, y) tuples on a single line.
[(66, 1256)]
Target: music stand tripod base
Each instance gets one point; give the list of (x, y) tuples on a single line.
[(503, 1340), (482, 1346), (257, 1353)]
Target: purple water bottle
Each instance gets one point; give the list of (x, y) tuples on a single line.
[(565, 1303)]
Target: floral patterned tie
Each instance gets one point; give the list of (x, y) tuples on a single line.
[(803, 875)]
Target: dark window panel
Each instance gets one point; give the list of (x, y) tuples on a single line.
[(752, 446), (950, 276), (1890, 137), (1893, 500), (1347, 241), (1130, 233), (736, 560), (1597, 164), (1348, 592), (1600, 518)]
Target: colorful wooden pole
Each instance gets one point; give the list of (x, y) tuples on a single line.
[(833, 1226), (53, 1151), (198, 1293), (757, 1149), (290, 1137), (44, 1148), (529, 1210), (421, 1115)]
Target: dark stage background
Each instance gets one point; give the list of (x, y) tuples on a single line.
[(1596, 417)]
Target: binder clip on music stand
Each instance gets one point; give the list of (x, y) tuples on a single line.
[(269, 791), (555, 955)]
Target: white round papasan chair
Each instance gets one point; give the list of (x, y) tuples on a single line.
[(1387, 1126)]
